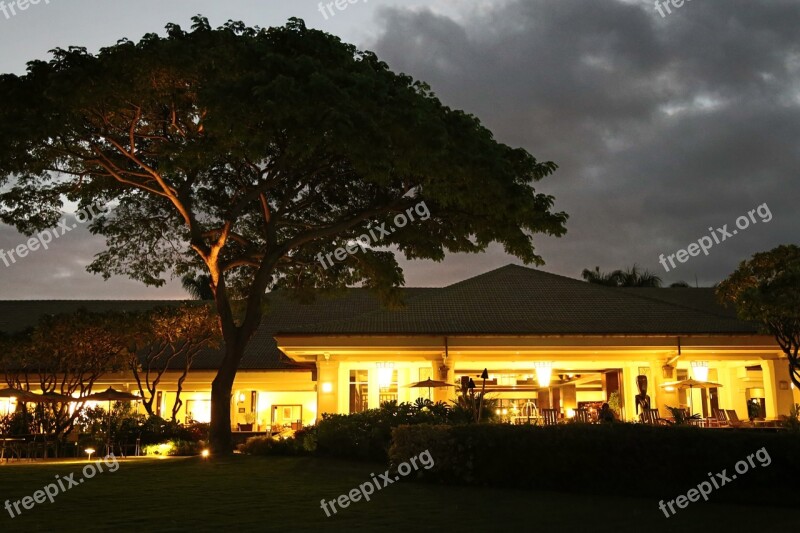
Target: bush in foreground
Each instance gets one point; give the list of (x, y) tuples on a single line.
[(367, 435), (625, 458), (303, 442)]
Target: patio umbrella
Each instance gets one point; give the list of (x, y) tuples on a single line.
[(110, 395), (20, 395), (429, 384), (53, 397), (691, 384)]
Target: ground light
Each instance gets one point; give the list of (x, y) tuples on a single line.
[(89, 451), (205, 454)]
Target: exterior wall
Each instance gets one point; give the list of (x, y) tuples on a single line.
[(727, 358), (417, 358), (271, 388)]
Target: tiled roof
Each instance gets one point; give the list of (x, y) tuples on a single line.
[(510, 300), (262, 352), (518, 300)]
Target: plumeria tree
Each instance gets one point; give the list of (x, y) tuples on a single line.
[(66, 355), (167, 339)]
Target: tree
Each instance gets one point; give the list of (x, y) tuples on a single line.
[(169, 338), (248, 154), (631, 277), (64, 354), (766, 289), (198, 286)]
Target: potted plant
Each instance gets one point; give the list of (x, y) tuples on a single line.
[(615, 404), (249, 420), (680, 416)]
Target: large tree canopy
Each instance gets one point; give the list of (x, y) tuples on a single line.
[(243, 153), (766, 289)]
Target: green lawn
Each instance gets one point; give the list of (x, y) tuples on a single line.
[(283, 494)]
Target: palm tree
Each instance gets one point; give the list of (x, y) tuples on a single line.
[(198, 286), (632, 277), (599, 278)]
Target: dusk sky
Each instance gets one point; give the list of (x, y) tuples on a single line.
[(662, 126)]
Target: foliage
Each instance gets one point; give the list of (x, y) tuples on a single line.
[(631, 277), (615, 404), (156, 430), (367, 435), (766, 289), (469, 405), (125, 425), (198, 286), (64, 354), (20, 422), (753, 409), (464, 408), (173, 448), (303, 442), (245, 154), (792, 421), (272, 446), (634, 459)]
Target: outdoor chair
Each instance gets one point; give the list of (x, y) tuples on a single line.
[(581, 415), (652, 417), (721, 418), (733, 418), (549, 417)]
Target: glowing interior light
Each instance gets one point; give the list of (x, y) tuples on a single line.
[(544, 373)]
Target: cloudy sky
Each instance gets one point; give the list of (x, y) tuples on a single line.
[(662, 126)]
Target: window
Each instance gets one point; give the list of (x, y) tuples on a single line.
[(198, 410), (359, 391), (388, 390)]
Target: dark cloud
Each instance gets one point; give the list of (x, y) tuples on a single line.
[(59, 272), (662, 126)]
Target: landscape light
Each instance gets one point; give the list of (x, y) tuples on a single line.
[(205, 454), (89, 451)]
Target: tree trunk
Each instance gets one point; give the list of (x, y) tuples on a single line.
[(221, 439)]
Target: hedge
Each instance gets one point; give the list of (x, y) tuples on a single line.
[(303, 442), (624, 458), (368, 435)]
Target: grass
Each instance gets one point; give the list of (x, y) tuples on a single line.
[(283, 494)]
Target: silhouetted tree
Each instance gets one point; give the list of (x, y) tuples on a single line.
[(766, 289), (255, 155)]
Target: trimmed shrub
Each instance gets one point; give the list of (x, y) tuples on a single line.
[(626, 458), (272, 446), (173, 448), (367, 435)]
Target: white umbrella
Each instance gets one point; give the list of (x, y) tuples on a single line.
[(690, 384)]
